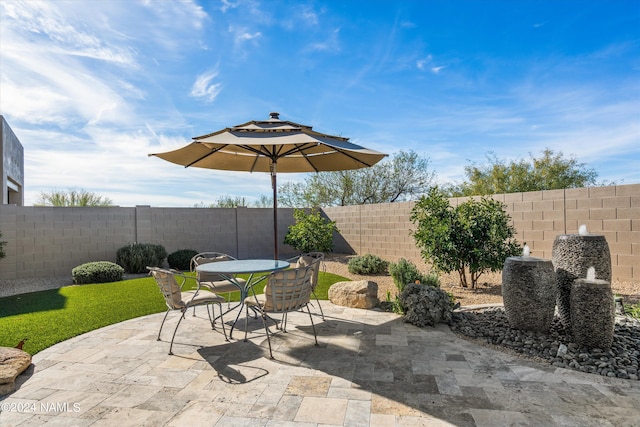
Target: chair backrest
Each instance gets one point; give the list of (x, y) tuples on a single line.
[(169, 287), (313, 259), (288, 290), (205, 258)]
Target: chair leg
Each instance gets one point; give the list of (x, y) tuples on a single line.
[(162, 324), (266, 329), (174, 332), (224, 329), (313, 326), (246, 322), (319, 306)]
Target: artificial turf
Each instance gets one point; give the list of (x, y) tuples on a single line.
[(47, 317)]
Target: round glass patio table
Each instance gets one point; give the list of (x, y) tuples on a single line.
[(228, 270)]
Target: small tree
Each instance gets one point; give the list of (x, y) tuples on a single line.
[(73, 197), (311, 232), (475, 236)]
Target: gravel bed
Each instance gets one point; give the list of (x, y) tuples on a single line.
[(490, 326)]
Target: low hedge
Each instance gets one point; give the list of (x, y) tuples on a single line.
[(181, 259), (97, 272)]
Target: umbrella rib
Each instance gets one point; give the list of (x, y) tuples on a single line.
[(346, 153), (206, 155)]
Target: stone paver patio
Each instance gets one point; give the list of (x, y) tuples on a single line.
[(371, 369)]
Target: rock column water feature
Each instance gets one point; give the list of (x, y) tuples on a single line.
[(529, 292), (593, 313), (572, 256)]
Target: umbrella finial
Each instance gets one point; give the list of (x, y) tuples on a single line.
[(275, 115)]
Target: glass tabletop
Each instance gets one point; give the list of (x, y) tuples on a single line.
[(243, 266)]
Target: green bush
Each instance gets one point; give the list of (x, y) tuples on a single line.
[(135, 258), (97, 272), (632, 310), (2, 253), (181, 259), (404, 272), (474, 235), (367, 264), (311, 232)]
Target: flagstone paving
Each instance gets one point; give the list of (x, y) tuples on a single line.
[(370, 369)]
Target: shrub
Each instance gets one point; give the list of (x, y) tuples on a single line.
[(404, 272), (2, 253), (311, 232), (97, 272), (181, 259), (475, 235), (367, 264), (425, 305), (135, 258), (632, 310)]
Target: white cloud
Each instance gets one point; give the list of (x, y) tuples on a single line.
[(422, 63), (203, 88), (241, 34), (436, 70), (226, 5)]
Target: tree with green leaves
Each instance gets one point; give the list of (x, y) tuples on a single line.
[(311, 232), (550, 171), (236, 201), (73, 197), (475, 235), (403, 177)]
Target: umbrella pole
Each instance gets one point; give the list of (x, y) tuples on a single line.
[(275, 211)]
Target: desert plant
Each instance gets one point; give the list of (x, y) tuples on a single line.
[(367, 264), (2, 252), (136, 257), (475, 235), (311, 232), (181, 259), (97, 272), (632, 310), (73, 197), (404, 272)]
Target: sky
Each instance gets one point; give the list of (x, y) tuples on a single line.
[(90, 88)]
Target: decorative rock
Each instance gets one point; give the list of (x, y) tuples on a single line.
[(425, 305), (356, 294), (13, 362), (529, 292), (572, 256), (593, 314)]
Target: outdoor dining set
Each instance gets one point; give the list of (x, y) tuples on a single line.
[(289, 287)]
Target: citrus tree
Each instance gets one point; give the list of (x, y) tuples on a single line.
[(311, 232), (475, 236)]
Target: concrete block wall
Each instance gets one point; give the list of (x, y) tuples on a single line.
[(537, 216), (44, 242), (48, 241)]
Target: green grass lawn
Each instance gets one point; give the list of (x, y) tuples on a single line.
[(48, 317)]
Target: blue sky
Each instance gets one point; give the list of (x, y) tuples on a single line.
[(91, 87)]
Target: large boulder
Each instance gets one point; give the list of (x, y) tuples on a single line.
[(356, 294), (13, 362)]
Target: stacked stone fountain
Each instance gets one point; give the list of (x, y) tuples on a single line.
[(582, 264), (577, 280), (529, 292)]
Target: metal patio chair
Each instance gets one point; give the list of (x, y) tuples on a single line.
[(314, 259), (179, 300), (285, 291), (215, 282)]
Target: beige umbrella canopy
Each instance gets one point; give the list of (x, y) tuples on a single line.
[(272, 146)]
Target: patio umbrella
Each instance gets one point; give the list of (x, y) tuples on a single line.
[(272, 146)]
